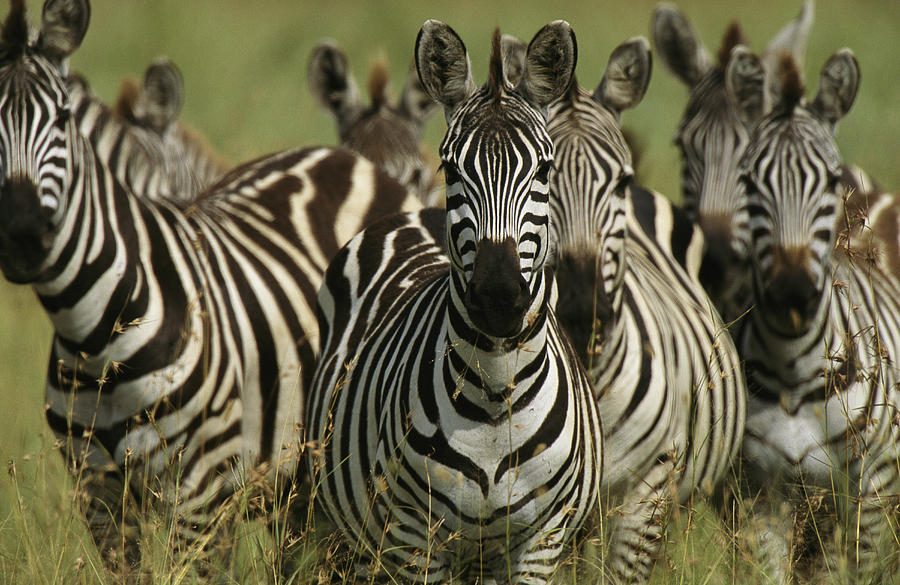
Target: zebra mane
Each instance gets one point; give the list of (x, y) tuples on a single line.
[(128, 95), (733, 37), (15, 29), (379, 77), (790, 83), (496, 79)]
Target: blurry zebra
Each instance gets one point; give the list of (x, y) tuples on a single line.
[(712, 137), (459, 436), (141, 140), (387, 134), (667, 376), (183, 340), (822, 341)]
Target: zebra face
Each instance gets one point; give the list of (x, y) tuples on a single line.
[(589, 193), (497, 158), (497, 209), (35, 126), (711, 138), (792, 171)]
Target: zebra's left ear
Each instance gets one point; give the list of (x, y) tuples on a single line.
[(161, 99), (627, 76), (838, 84), (549, 64), (443, 65), (745, 84), (63, 26)]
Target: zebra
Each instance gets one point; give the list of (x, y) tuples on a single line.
[(457, 435), (141, 140), (822, 341), (182, 338), (388, 134), (712, 137), (667, 376)]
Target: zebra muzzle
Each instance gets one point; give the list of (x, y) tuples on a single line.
[(497, 296)]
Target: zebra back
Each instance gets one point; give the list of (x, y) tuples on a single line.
[(182, 338), (821, 342), (389, 134), (459, 438)]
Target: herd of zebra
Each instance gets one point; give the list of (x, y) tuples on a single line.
[(466, 375)]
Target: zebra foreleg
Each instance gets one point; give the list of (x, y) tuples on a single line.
[(637, 530)]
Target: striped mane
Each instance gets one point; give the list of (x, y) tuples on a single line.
[(379, 77), (496, 79), (790, 82), (733, 37)]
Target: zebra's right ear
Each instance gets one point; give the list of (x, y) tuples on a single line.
[(678, 45), (838, 84), (330, 80), (162, 96), (63, 26), (745, 85), (513, 50), (415, 101), (443, 65), (627, 76), (549, 64)]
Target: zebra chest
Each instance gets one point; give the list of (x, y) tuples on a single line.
[(484, 471)]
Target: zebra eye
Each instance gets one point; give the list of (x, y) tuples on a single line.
[(62, 116), (625, 181), (450, 173), (543, 171), (749, 185)]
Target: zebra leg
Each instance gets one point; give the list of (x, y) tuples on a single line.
[(637, 532), (875, 516)]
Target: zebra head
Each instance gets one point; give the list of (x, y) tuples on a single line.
[(792, 172), (389, 134), (497, 158), (712, 135), (35, 131), (588, 192)]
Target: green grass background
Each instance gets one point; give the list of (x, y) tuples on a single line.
[(244, 65)]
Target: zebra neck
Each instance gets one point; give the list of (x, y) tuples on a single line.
[(486, 369), (97, 285)]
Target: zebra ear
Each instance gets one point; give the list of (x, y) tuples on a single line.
[(627, 76), (443, 65), (678, 45), (415, 101), (549, 64), (161, 100), (745, 82), (330, 80), (513, 50), (63, 26), (838, 84), (790, 40)]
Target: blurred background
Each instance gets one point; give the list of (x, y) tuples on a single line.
[(244, 67)]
